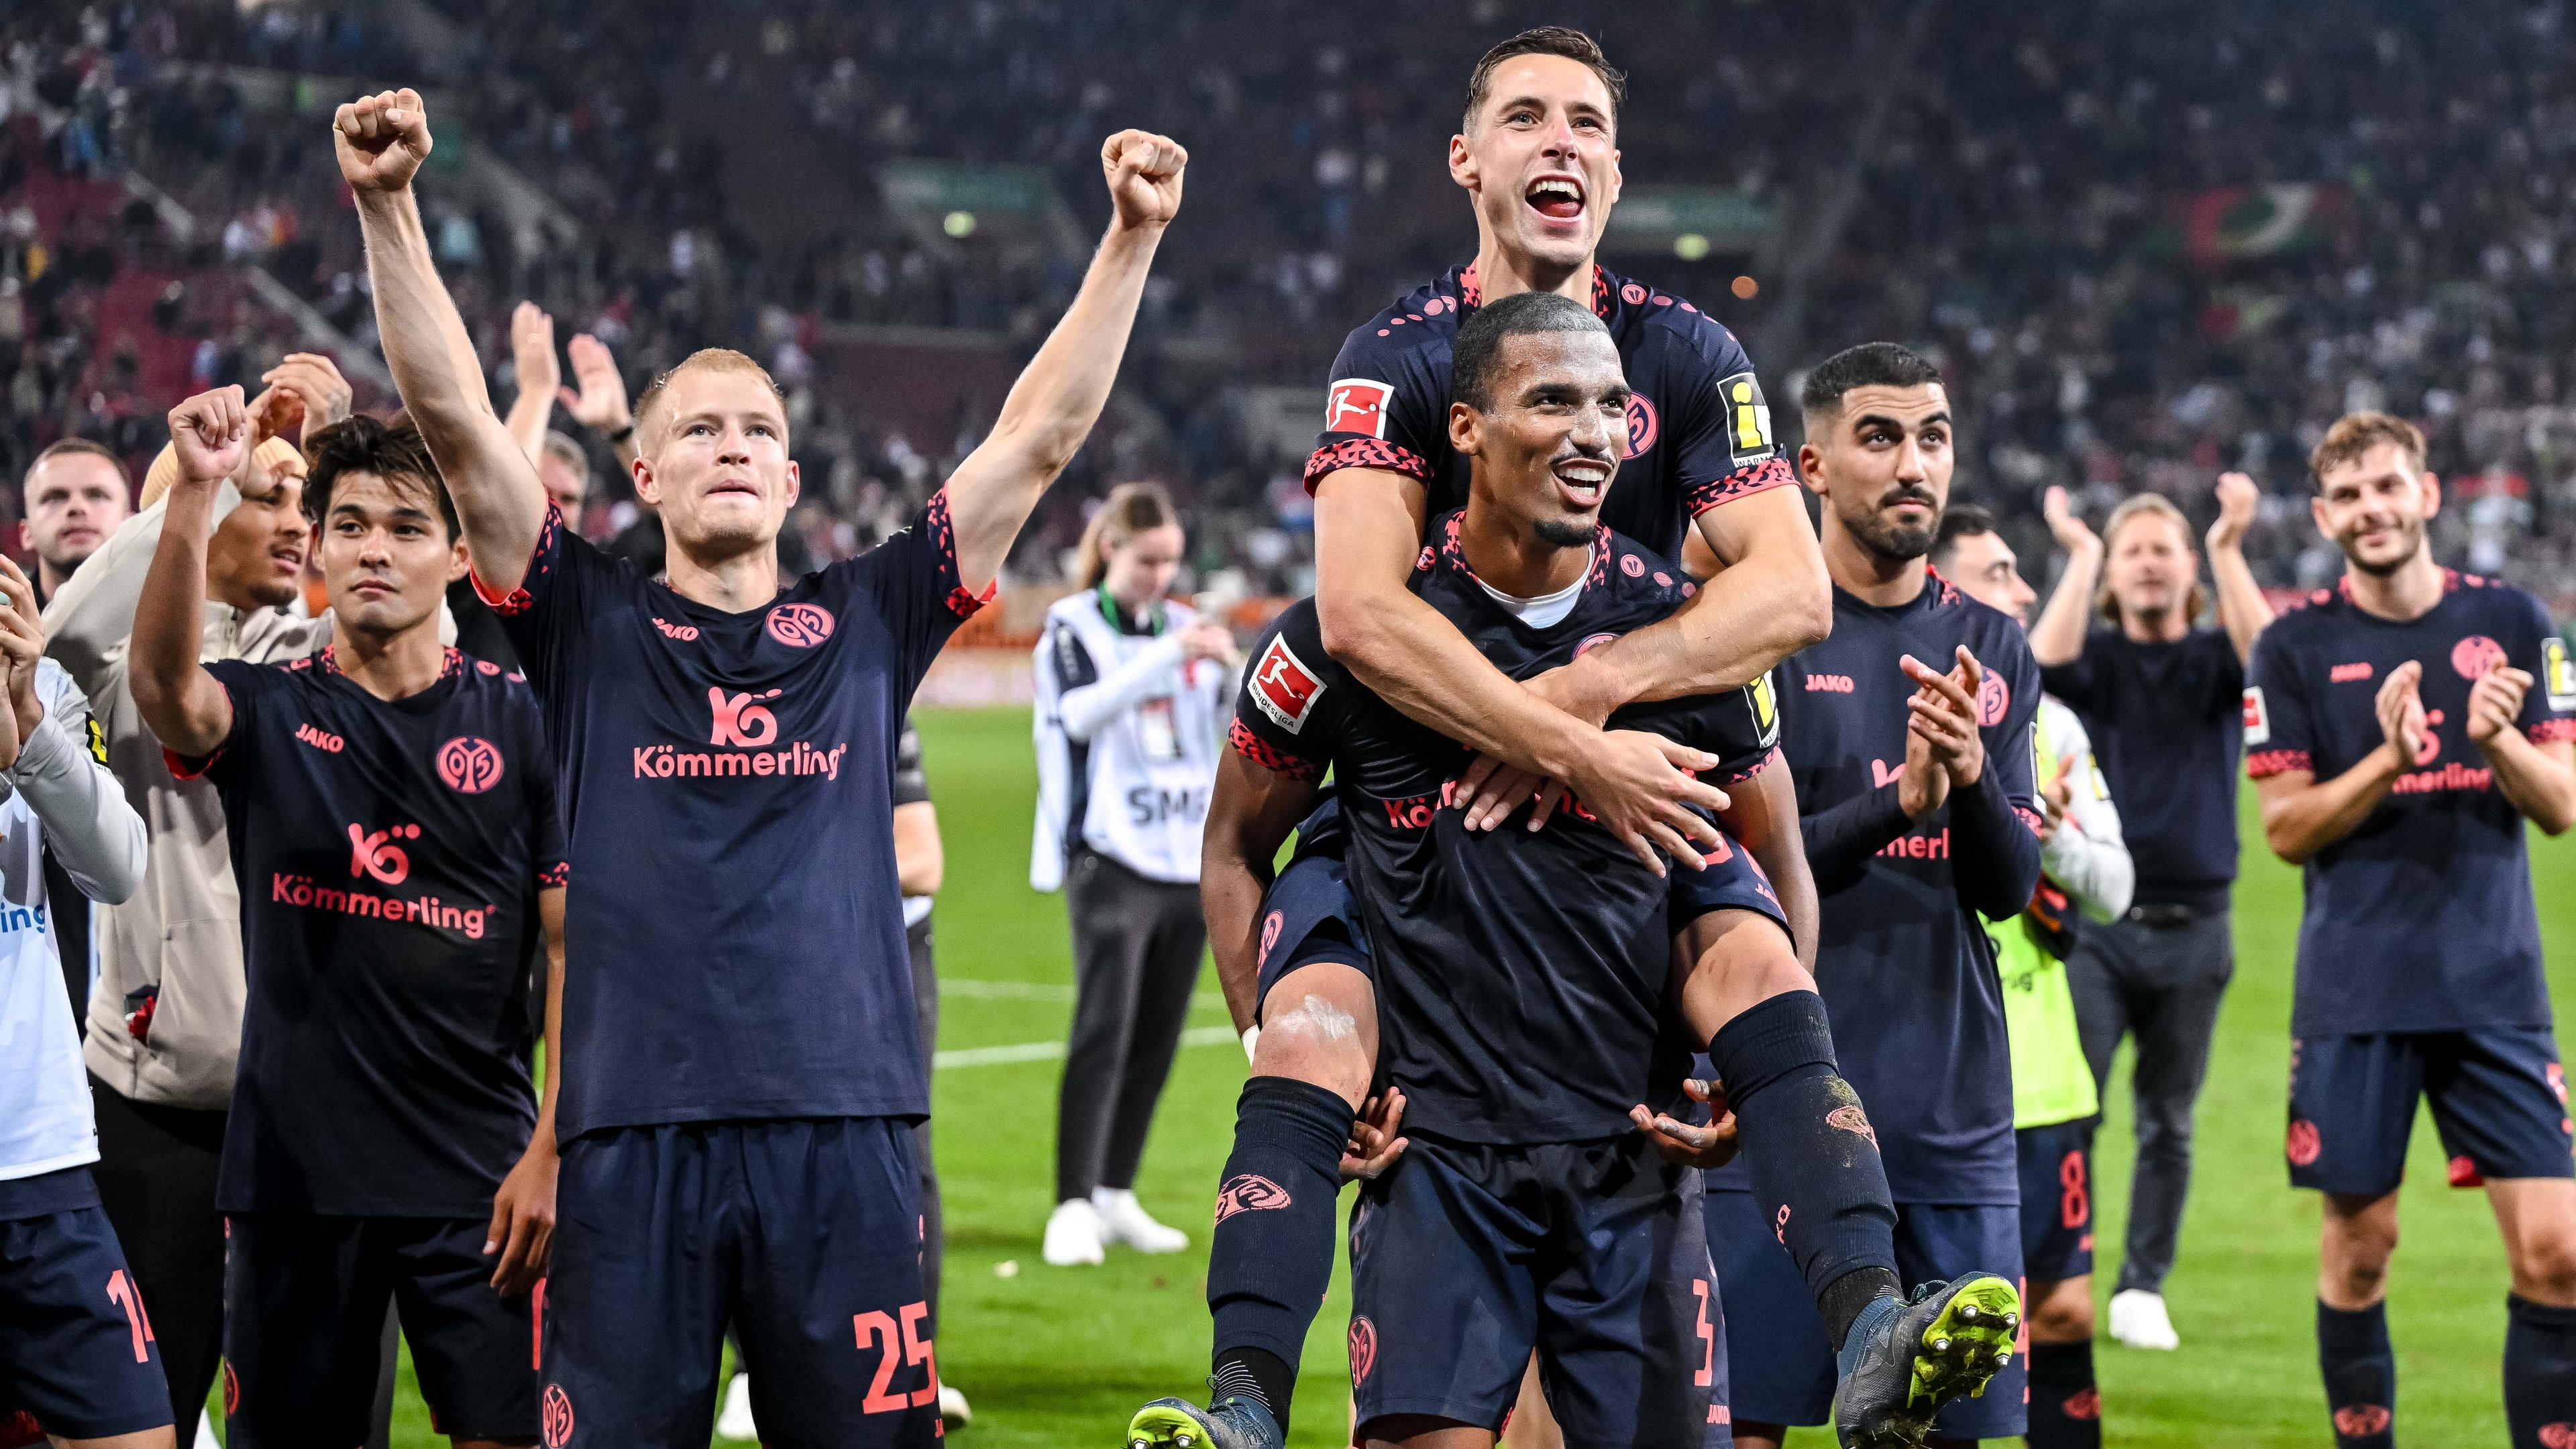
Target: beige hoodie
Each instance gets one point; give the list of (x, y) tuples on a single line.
[(180, 934)]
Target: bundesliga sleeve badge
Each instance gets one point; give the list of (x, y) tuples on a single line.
[(1284, 688), (2258, 718), (1357, 405)]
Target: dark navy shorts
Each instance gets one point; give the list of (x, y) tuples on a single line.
[(304, 1310), (804, 1235), (1306, 917), (1731, 881), (2499, 1102), (2056, 1200), (1465, 1258), (77, 1356), (1777, 1348)]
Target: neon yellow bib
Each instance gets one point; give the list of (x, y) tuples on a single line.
[(2051, 1081)]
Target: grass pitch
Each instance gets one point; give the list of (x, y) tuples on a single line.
[(1060, 1357)]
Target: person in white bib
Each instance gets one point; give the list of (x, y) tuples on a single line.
[(1134, 692)]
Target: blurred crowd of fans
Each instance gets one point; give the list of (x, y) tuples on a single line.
[(2044, 207)]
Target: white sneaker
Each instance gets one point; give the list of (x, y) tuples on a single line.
[(2138, 1319), (206, 1432), (1073, 1234), (736, 1421), (953, 1407), (1123, 1220)]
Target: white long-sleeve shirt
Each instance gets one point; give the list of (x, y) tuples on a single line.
[(2084, 854), (58, 793), (1128, 735)]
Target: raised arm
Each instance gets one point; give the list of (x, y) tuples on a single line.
[(1059, 396), (381, 141), (61, 768), (1772, 599), (532, 362), (2058, 637), (2241, 606), (179, 701), (1251, 812)]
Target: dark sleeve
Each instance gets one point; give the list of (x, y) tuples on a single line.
[(1385, 408), (1739, 726), (2226, 672), (911, 785), (552, 854), (2078, 680), (912, 581), (2280, 728), (1840, 839), (1994, 825), (2549, 706), (250, 687), (1287, 711), (544, 615), (1722, 435)]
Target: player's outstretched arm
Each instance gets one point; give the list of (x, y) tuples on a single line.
[(2241, 605), (532, 360), (1251, 812), (179, 701), (2537, 778), (1772, 599), (61, 769), (381, 141), (1060, 394), (2302, 814), (2057, 637)]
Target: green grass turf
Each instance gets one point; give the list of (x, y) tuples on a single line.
[(1059, 1357)]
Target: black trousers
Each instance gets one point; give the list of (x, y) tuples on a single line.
[(1136, 950), (156, 1178), (925, 1006)]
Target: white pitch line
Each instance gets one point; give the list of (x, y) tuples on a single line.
[(1045, 1051), (1042, 991)]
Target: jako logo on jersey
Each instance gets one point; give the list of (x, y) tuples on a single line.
[(370, 854), (1357, 405), (318, 738), (2475, 655), (470, 765), (1641, 424), (2348, 673), (1363, 1350), (800, 626), (740, 722), (681, 632), (1248, 1193), (1830, 684), (1284, 687), (1993, 698), (556, 1415)]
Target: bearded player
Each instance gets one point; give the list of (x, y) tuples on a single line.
[(2400, 728), (1537, 154), (743, 1069)]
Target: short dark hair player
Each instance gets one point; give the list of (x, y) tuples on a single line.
[(394, 830)]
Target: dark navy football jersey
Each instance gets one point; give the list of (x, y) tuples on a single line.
[(2163, 720), (736, 949), (389, 855), (1903, 961), (1699, 431), (1521, 976), (2421, 919)]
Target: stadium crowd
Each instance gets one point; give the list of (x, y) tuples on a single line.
[(2189, 282)]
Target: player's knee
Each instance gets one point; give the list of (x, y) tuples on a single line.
[(2544, 1267), (1314, 1040), (2062, 1311)]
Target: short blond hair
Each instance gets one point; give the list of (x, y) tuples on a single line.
[(2131, 509), (1130, 509), (2354, 434), (705, 359)]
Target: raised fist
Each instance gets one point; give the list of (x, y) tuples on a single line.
[(2238, 499), (1144, 173), (381, 140), (211, 435)]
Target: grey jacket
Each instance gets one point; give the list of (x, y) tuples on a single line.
[(177, 940)]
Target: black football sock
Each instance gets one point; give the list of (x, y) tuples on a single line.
[(2361, 1375), (2539, 1370), (1807, 1144), (2065, 1403), (1271, 1256), (1844, 1299)]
